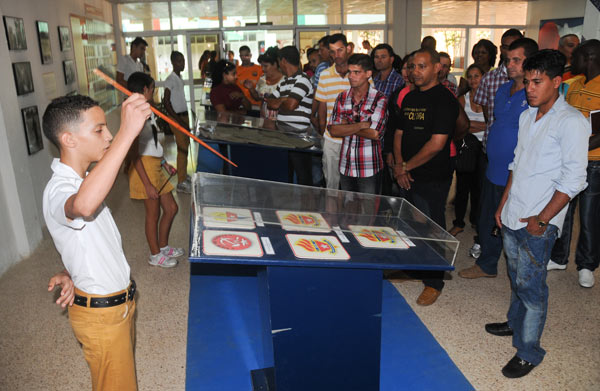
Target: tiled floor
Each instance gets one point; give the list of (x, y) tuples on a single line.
[(39, 352)]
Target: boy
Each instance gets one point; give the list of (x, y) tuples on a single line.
[(85, 233), (176, 106)]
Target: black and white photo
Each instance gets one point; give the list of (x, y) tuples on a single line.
[(15, 33), (44, 40), (23, 77), (65, 38), (33, 130), (69, 70)]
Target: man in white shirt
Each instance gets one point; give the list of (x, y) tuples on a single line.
[(131, 62), (176, 106), (549, 168)]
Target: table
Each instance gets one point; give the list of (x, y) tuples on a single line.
[(321, 317)]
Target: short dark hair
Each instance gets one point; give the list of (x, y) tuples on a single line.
[(290, 54), (561, 41), (475, 66), (139, 41), (270, 56), (175, 54), (364, 60), (512, 33), (445, 55), (384, 46), (337, 38), (549, 61), (221, 67), (63, 111), (244, 48), (529, 46), (490, 47), (433, 55), (429, 41), (311, 51), (138, 80), (324, 40)]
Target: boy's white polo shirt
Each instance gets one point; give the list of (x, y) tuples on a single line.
[(91, 249)]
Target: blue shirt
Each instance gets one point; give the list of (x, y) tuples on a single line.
[(320, 68), (390, 84), (502, 138), (551, 156)]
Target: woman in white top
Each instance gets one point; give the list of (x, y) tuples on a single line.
[(468, 183), (148, 182), (267, 83)]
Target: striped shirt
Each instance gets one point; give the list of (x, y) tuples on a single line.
[(320, 68), (331, 84), (361, 157), (486, 94), (298, 87)]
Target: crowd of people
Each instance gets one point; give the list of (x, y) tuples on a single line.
[(515, 132)]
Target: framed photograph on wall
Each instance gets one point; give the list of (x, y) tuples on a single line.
[(44, 40), (69, 70), (23, 77), (15, 33), (64, 38), (33, 130)]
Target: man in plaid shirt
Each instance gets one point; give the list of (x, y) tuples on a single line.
[(359, 116)]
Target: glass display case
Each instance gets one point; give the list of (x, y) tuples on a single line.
[(237, 129), (310, 226)]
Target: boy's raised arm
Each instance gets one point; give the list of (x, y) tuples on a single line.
[(95, 187)]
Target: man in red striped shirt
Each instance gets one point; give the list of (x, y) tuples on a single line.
[(359, 116)]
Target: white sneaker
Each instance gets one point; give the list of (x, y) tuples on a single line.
[(184, 187), (172, 252), (162, 260), (555, 266), (475, 251), (586, 278)]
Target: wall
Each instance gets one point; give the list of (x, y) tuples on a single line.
[(23, 177), (551, 9)]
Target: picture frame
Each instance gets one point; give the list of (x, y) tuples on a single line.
[(44, 41), (23, 77), (69, 71), (15, 33), (64, 37), (33, 130)]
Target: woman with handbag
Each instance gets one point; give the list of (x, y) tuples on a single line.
[(469, 159)]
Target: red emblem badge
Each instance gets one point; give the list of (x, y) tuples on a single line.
[(319, 246), (232, 242)]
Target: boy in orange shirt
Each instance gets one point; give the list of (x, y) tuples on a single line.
[(248, 71)]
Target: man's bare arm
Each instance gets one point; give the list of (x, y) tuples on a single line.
[(343, 130), (94, 188)]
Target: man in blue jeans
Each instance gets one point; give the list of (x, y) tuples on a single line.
[(548, 170), (510, 102)]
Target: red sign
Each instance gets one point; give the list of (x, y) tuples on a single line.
[(232, 242)]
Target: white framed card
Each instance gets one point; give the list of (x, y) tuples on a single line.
[(231, 243), (302, 221), (227, 218), (377, 237)]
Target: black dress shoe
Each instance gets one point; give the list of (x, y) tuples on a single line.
[(517, 367), (500, 329)]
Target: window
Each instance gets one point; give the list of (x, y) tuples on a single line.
[(145, 16), (375, 37), (257, 41), (239, 13), (195, 14), (363, 12), (276, 12), (458, 25), (319, 12)]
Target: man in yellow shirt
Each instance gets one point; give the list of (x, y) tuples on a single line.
[(584, 95)]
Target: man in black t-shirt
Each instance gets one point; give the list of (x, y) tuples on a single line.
[(424, 129)]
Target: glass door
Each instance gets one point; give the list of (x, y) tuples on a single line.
[(193, 44), (308, 38)]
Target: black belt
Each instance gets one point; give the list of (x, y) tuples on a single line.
[(103, 302), (182, 113)]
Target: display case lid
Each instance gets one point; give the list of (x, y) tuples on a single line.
[(239, 129), (311, 226)]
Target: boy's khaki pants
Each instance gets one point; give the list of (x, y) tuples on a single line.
[(108, 337)]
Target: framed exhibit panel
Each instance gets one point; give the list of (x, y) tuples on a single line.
[(15, 33), (44, 41), (33, 130)]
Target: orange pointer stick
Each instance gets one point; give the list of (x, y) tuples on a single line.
[(124, 90)]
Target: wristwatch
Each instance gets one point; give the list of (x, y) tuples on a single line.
[(542, 224)]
